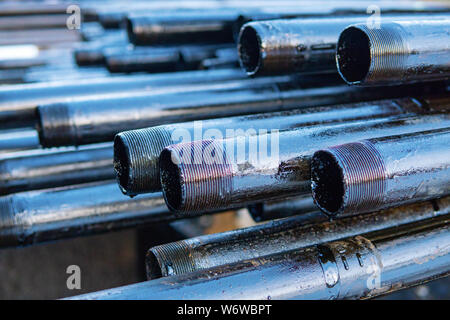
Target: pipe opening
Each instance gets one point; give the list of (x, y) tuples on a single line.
[(327, 182), (250, 50), (353, 55), (153, 268), (171, 180), (122, 163)]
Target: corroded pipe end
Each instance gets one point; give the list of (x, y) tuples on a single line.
[(136, 159), (346, 179), (8, 228), (195, 176), (371, 55), (54, 126), (142, 31), (169, 259)]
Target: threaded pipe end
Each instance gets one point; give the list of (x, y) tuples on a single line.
[(372, 55), (136, 159), (54, 126), (349, 178), (196, 176), (169, 259)]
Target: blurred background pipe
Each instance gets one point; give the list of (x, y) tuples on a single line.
[(51, 169), (97, 120)]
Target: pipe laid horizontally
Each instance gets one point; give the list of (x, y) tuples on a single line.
[(362, 266), (136, 152), (56, 168), (298, 45), (18, 103), (274, 237), (378, 173), (210, 174), (396, 52), (33, 217)]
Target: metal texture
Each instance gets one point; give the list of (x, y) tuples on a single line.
[(218, 177), (274, 237), (373, 174), (357, 267), (297, 45), (50, 169), (98, 120), (18, 103), (38, 216), (136, 156), (396, 52)]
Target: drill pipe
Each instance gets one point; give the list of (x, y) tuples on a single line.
[(274, 237), (378, 173), (397, 52), (162, 59), (294, 45), (49, 169), (136, 152), (217, 177), (350, 268), (98, 120), (18, 102), (300, 205), (207, 26), (14, 140), (37, 216)]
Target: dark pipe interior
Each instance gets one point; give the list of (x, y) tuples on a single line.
[(170, 180), (327, 182), (353, 55), (122, 163), (153, 267), (249, 50), (130, 31)]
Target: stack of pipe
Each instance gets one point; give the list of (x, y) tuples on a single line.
[(334, 132)]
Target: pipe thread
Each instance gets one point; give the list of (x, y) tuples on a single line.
[(139, 162), (173, 259), (204, 180), (55, 127)]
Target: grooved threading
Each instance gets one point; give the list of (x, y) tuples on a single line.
[(388, 52), (144, 148), (204, 182), (174, 258), (55, 126), (364, 175)]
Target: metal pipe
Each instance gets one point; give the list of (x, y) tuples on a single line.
[(300, 205), (18, 102), (98, 120), (37, 216), (14, 140), (219, 177), (396, 52), (352, 268), (275, 237), (33, 21), (297, 45), (50, 169), (136, 152), (198, 26), (378, 173)]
